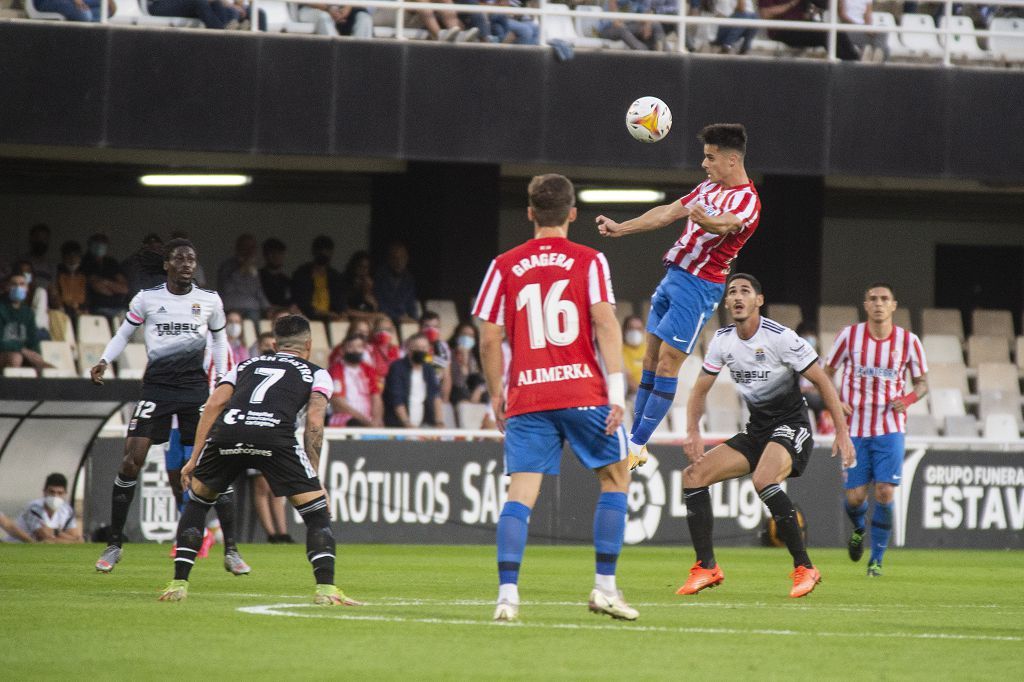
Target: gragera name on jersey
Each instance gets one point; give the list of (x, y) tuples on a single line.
[(175, 328), (545, 375), (251, 418), (543, 260)]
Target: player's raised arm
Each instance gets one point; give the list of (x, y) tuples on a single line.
[(693, 444), (609, 342), (843, 445), (656, 218), (492, 360), (212, 410)]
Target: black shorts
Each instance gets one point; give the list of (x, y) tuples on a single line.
[(152, 420), (792, 434), (287, 468)]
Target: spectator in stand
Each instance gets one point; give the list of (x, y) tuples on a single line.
[(238, 281), (38, 298), (728, 36), (19, 336), (509, 28), (395, 287), (38, 249), (76, 10), (264, 344), (638, 35), (107, 287), (236, 346), (213, 13), (71, 284), (466, 375), (49, 519), (803, 10), (277, 285), (859, 12), (633, 347), (317, 288), (440, 354), (144, 269), (360, 301), (356, 400), (353, 21), (412, 394), (384, 348), (360, 328), (453, 30)]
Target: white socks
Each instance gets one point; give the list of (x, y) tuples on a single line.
[(508, 592), (605, 583)]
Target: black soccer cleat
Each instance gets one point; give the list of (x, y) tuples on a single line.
[(856, 544)]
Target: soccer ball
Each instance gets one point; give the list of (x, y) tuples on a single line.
[(648, 119)]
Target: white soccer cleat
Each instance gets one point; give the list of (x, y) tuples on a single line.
[(638, 458), (506, 612), (613, 605)]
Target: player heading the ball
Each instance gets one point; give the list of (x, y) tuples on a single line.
[(551, 297), (721, 214)]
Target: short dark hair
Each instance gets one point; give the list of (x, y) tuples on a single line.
[(429, 315), (176, 244), (56, 480), (750, 278), (273, 244), (291, 327), (321, 242), (551, 196), (725, 136), (878, 285), (70, 247)]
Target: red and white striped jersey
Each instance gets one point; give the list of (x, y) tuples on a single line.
[(707, 255), (874, 374), (541, 292)]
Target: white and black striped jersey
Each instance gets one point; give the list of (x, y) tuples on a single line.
[(271, 391), (766, 369), (176, 331), (35, 516)]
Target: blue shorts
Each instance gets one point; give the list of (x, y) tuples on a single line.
[(176, 454), (879, 458), (681, 306), (533, 441)]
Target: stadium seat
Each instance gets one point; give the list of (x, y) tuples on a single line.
[(1018, 354), (834, 318), (896, 49), (988, 349), (923, 42), (338, 330), (133, 357), (248, 333), (448, 416), (786, 314), (722, 407), (60, 355), (448, 313), (623, 309), (964, 426), (998, 376), (1008, 48), (147, 19), (20, 373), (54, 373), (407, 329), (1001, 427), (384, 25), (677, 418), (1000, 402), (265, 326), (88, 355), (586, 29), (992, 323), (947, 375), (93, 329), (921, 425), (33, 13), (321, 347), (902, 318), (946, 402), (645, 307), (942, 321), (128, 13), (963, 45), (688, 374), (471, 415), (561, 27), (943, 349)]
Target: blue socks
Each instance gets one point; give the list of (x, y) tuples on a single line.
[(857, 514), (513, 528), (655, 408), (642, 394), (881, 529), (609, 527)]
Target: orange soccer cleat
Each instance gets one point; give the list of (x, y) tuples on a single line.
[(701, 578), (804, 580)]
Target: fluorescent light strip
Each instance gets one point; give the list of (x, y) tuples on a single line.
[(620, 196), (208, 180)]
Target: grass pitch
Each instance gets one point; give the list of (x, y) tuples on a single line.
[(935, 614)]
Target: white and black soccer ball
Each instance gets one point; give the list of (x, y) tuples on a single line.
[(648, 119)]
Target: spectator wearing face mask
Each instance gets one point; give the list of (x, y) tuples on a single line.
[(356, 400), (467, 377), (633, 351), (106, 286), (236, 346), (440, 353), (71, 281), (50, 519), (38, 299), (412, 393), (383, 348), (19, 337)]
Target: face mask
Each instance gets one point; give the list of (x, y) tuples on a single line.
[(53, 502), (418, 357), (99, 249), (353, 358), (18, 294), (234, 330), (466, 342), (812, 341), (382, 338), (634, 337), (432, 334), (28, 277)]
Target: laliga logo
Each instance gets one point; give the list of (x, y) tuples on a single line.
[(646, 498)]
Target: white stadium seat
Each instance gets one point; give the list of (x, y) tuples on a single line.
[(992, 323), (998, 376), (942, 321), (1009, 48), (471, 415), (93, 329), (896, 48), (338, 330), (560, 26), (786, 314), (987, 349), (943, 349), (447, 312), (963, 45), (1002, 427), (20, 373), (923, 42), (384, 25), (943, 375), (901, 318), (248, 332), (964, 426), (133, 357), (321, 347), (60, 355), (834, 318), (946, 402)]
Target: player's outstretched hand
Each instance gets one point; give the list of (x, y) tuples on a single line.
[(498, 405), (843, 446), (614, 420), (693, 446), (96, 373), (607, 227)]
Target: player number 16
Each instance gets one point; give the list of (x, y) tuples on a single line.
[(554, 321)]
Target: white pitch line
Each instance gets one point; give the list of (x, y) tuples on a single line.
[(284, 610)]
